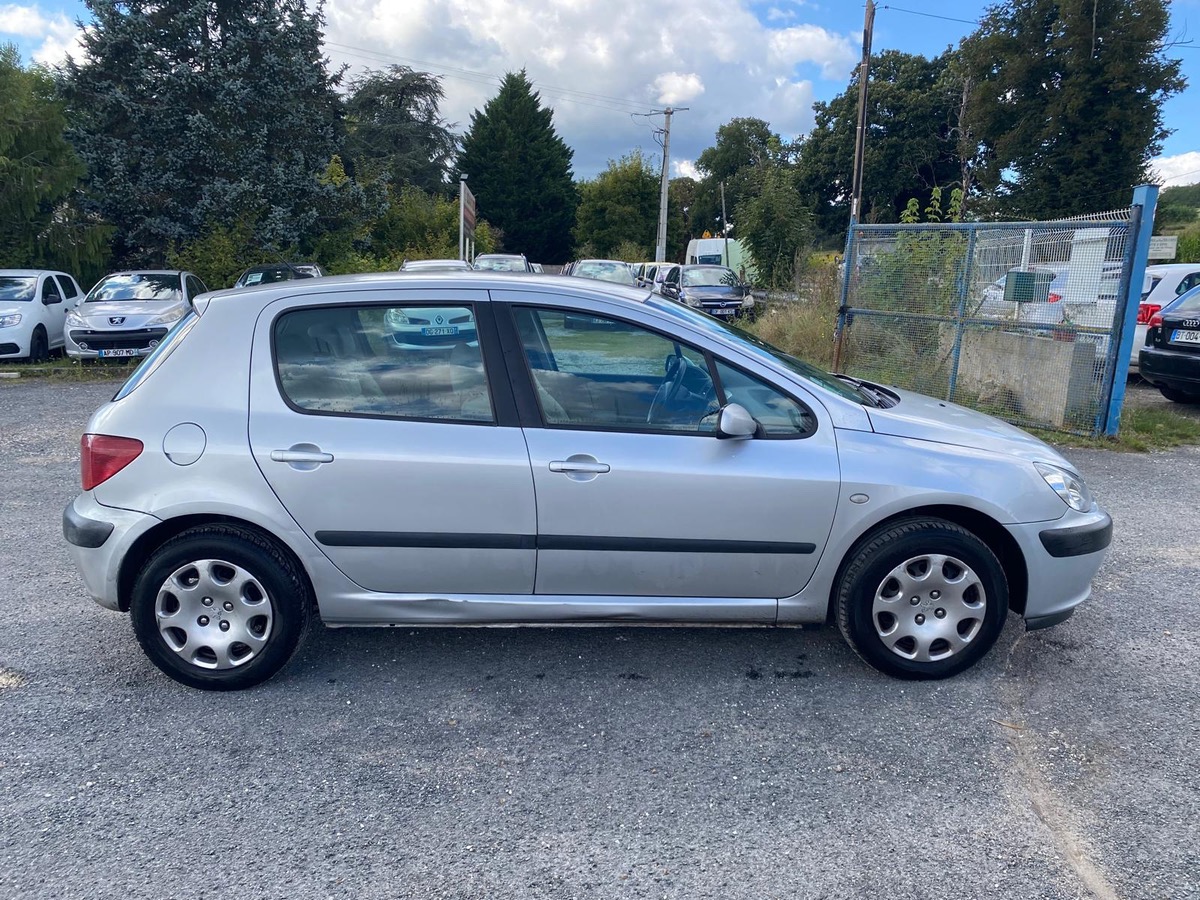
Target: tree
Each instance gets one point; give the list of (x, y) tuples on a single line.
[(39, 173), (520, 172), (911, 145), (396, 131), (194, 114), (620, 205), (744, 147), (1067, 102), (775, 225)]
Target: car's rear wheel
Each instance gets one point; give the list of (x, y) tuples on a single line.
[(220, 608), (922, 599), (1177, 396)]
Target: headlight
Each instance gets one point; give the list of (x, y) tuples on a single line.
[(10, 321), (395, 318), (169, 318), (75, 320), (1069, 486)]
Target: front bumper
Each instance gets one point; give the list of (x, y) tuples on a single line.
[(1062, 558), (1178, 369), (86, 343), (98, 538)]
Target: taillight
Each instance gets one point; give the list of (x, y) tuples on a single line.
[(1147, 311), (1156, 320), (101, 456), (1054, 298)]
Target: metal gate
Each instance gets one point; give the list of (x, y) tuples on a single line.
[(1029, 321)]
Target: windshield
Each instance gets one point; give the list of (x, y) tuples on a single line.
[(162, 286), (1187, 302), (500, 264), (756, 346), (709, 276), (18, 287), (616, 272), (265, 276)]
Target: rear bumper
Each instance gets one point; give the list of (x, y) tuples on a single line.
[(1062, 558), (1172, 368), (98, 538)]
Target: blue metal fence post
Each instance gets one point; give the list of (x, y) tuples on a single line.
[(964, 288), (1146, 197)]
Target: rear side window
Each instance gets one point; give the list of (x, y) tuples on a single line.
[(397, 362), (159, 355)]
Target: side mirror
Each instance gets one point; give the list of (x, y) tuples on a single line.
[(735, 422)]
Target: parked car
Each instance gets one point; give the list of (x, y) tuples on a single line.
[(662, 272), (33, 307), (502, 262), (1170, 359), (129, 313), (1164, 284), (272, 272), (714, 289), (610, 270), (435, 265), (678, 471), (537, 267)]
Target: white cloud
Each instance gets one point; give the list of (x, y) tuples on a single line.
[(673, 87), (684, 168), (1181, 169), (596, 63), (58, 34)]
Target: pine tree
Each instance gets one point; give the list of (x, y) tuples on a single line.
[(203, 113), (520, 172), (1066, 101)]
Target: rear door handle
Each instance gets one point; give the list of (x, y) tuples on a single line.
[(579, 466), (304, 457)]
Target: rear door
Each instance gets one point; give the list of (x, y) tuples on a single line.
[(405, 464), (637, 496)]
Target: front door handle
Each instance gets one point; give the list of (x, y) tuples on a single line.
[(579, 467), (303, 457)]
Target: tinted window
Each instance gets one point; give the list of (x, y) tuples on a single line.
[(380, 361), (137, 286), (595, 372), (195, 286), (776, 412), (50, 292), (1187, 303), (68, 287), (1189, 282)]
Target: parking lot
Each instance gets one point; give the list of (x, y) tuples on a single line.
[(659, 762)]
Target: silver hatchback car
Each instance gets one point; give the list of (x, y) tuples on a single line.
[(659, 466)]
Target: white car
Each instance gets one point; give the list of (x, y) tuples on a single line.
[(1165, 283), (33, 305), (127, 314)]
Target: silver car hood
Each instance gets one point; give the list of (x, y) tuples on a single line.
[(132, 310), (927, 419)]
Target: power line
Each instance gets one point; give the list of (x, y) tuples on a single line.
[(914, 12)]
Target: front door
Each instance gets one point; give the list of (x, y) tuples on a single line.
[(637, 496), (390, 437)]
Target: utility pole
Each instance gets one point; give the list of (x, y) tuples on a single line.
[(660, 245), (724, 224), (860, 136)]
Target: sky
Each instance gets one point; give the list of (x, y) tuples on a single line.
[(604, 66)]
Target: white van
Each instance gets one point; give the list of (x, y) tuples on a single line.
[(722, 252)]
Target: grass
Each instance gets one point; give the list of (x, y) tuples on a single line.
[(67, 369), (1142, 429)]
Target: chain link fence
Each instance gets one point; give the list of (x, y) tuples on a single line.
[(1020, 320)]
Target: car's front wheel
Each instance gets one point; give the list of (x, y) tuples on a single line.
[(922, 599), (220, 608)]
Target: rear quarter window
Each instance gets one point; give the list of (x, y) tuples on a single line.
[(158, 356)]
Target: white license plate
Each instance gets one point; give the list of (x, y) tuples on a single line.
[(437, 331), (723, 312), (109, 354), (1180, 336)]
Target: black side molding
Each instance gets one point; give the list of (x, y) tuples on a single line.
[(82, 531), (1078, 540), (444, 541)]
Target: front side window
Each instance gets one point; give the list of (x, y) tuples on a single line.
[(50, 293), (195, 286), (778, 414), (595, 372), (403, 362)]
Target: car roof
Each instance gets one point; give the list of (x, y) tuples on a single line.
[(148, 272), (1168, 268), (473, 281), (28, 273)]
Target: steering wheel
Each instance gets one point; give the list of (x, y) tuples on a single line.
[(677, 366)]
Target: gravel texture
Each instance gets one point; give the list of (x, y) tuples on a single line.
[(722, 763)]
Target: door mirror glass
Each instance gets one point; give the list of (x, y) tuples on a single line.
[(735, 421)]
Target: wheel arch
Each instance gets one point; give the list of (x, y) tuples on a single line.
[(143, 548), (983, 526)]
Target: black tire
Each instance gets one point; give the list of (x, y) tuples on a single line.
[(39, 346), (287, 592), (867, 570), (1177, 396)]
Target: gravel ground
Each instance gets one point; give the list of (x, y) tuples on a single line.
[(720, 763)]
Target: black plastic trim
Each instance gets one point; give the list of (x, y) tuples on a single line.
[(448, 541), (1078, 540), (82, 531), (1039, 622)]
